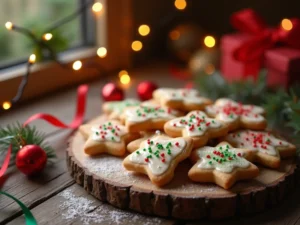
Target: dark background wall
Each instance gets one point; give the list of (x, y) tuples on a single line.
[(211, 15)]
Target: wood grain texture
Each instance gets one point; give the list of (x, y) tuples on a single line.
[(53, 212), (180, 199)]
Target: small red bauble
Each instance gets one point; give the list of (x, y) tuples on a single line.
[(145, 90), (111, 92), (31, 159)]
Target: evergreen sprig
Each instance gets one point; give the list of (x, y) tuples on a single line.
[(18, 136)]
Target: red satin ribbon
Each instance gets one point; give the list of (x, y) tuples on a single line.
[(6, 162), (77, 121), (263, 38)]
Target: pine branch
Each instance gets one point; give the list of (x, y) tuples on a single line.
[(17, 136)]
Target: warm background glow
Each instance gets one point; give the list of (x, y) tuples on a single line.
[(101, 52), (136, 46), (144, 30), (47, 36), (32, 58), (122, 72), (8, 25), (77, 65), (209, 41), (125, 79), (97, 7), (174, 35), (180, 4), (6, 105), (287, 24)]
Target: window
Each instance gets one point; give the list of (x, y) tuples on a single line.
[(37, 15)]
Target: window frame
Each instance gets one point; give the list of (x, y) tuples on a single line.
[(48, 76)]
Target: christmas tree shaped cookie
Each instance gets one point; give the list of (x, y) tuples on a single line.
[(267, 148), (143, 118), (237, 115), (158, 157), (223, 165), (182, 99), (196, 125), (110, 137), (115, 108)]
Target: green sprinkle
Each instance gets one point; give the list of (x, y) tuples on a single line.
[(227, 146), (112, 138), (137, 152), (151, 142), (199, 128), (213, 121), (109, 123), (97, 133), (113, 130), (220, 148), (210, 162), (149, 148)]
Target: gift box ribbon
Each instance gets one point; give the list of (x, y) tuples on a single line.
[(263, 37)]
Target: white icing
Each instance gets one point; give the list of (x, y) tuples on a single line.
[(256, 141), (158, 165), (117, 107), (234, 158), (187, 95), (196, 123), (229, 111), (143, 113), (109, 131)]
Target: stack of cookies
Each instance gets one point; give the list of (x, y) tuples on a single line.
[(177, 124)]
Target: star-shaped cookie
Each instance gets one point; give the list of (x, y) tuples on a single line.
[(158, 157), (267, 148), (115, 108), (223, 165), (182, 99), (237, 115), (196, 125), (109, 137), (144, 118)]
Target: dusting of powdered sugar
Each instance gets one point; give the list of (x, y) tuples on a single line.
[(87, 211)]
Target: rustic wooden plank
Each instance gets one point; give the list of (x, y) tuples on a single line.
[(35, 190), (56, 210), (287, 213)]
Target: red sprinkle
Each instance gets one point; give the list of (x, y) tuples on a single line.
[(239, 154), (162, 154), (177, 144), (146, 160), (207, 124), (163, 160), (102, 136), (208, 156)]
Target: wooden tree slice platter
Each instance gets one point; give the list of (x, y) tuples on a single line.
[(105, 178)]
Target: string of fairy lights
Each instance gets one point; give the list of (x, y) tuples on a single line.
[(97, 7)]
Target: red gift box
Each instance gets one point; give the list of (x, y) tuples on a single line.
[(282, 63), (257, 46)]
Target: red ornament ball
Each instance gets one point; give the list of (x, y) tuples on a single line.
[(145, 90), (31, 159), (111, 92)]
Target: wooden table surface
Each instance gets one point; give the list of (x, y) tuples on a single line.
[(45, 194)]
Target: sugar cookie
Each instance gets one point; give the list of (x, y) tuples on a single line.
[(144, 118), (158, 157), (181, 99), (237, 115), (115, 108), (223, 165), (196, 125), (267, 148), (110, 137)]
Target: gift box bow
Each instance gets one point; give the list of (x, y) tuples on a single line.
[(263, 37)]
